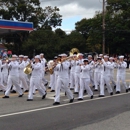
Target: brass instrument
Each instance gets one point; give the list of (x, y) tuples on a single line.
[(74, 51), (28, 69)]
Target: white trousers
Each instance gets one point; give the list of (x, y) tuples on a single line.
[(52, 81), (72, 79), (107, 81), (4, 78), (97, 77), (13, 80), (62, 83), (112, 79), (122, 79), (2, 87), (77, 82), (91, 78), (102, 85), (23, 82), (35, 82), (84, 84)]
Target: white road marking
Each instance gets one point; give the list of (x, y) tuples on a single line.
[(51, 107)]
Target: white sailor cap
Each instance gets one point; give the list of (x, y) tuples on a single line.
[(14, 56), (106, 56), (121, 57), (63, 54), (99, 58), (80, 54), (21, 56), (74, 55), (100, 55), (25, 57), (111, 58), (41, 54), (85, 60), (37, 56), (89, 55)]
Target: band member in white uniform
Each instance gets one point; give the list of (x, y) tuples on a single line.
[(35, 80), (85, 80), (43, 62), (112, 72), (91, 64), (72, 72), (13, 78), (79, 62), (2, 87), (22, 78), (62, 82), (107, 67), (4, 71), (121, 74)]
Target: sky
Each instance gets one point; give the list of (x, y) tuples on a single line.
[(73, 11)]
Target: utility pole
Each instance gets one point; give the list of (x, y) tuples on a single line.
[(103, 28)]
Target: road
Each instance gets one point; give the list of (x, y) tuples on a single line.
[(107, 113)]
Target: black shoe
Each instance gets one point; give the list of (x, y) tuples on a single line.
[(117, 92), (71, 100), (5, 97), (93, 86), (91, 97), (65, 94), (127, 90), (71, 88), (46, 84), (13, 91), (44, 96), (1, 90), (56, 103), (95, 89), (85, 91), (115, 87), (52, 91), (49, 87), (76, 92), (111, 93), (33, 93), (101, 96), (80, 99), (29, 99), (20, 95), (26, 91)]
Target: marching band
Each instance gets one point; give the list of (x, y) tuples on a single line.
[(66, 74)]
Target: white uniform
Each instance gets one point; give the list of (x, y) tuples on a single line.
[(4, 73), (85, 81), (112, 74), (121, 74), (72, 74), (2, 87), (35, 80), (91, 64), (77, 75), (13, 78), (22, 78), (62, 81), (107, 69)]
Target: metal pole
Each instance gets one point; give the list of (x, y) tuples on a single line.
[(103, 28)]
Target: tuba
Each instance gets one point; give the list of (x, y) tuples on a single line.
[(28, 69), (74, 51)]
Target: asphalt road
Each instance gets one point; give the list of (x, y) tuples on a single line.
[(107, 113)]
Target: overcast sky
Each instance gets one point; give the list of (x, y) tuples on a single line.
[(74, 10)]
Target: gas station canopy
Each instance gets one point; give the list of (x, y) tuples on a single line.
[(8, 26)]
